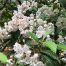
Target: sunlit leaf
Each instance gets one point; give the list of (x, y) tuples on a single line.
[(51, 45), (61, 46), (3, 58)]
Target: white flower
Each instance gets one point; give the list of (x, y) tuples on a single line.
[(45, 25), (40, 21), (23, 54), (45, 22), (3, 34), (31, 28), (18, 56), (60, 39), (19, 8), (40, 28), (56, 1), (64, 59), (32, 16), (31, 22), (34, 4), (40, 32), (18, 48), (48, 11), (15, 12), (65, 37), (39, 63), (61, 22), (34, 58), (48, 37), (28, 53), (64, 52), (33, 64), (25, 48), (11, 25), (50, 28), (23, 23), (9, 62)]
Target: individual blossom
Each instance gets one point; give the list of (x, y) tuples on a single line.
[(39, 63), (10, 61), (40, 21), (61, 22), (50, 28), (40, 32), (60, 39), (4, 34)]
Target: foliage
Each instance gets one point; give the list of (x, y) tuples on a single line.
[(51, 45), (6, 9), (3, 58)]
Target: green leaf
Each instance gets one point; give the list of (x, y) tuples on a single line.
[(33, 36), (51, 45), (61, 46), (63, 3), (50, 58), (29, 43), (3, 58)]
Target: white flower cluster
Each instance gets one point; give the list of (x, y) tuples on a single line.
[(10, 61), (61, 22), (44, 28), (3, 33), (46, 11), (26, 5), (27, 23), (23, 54), (61, 39)]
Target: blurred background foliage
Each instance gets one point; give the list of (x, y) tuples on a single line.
[(6, 10)]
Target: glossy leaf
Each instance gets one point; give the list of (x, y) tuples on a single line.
[(51, 45)]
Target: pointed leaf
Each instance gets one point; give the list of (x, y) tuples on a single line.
[(51, 45), (61, 46)]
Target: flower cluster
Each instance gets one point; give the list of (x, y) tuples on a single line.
[(26, 5), (27, 23), (45, 12), (61, 39), (45, 28), (3, 34), (61, 22), (23, 54)]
